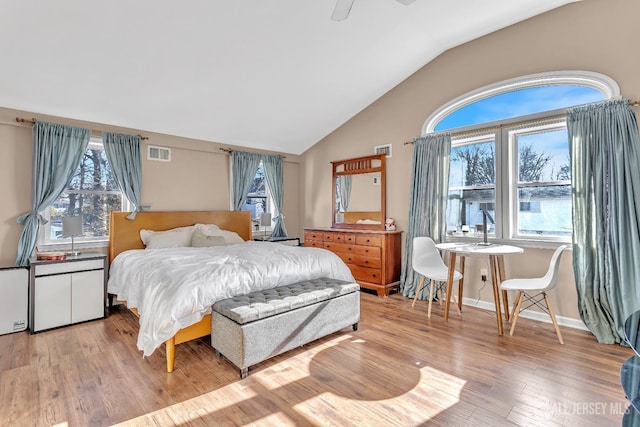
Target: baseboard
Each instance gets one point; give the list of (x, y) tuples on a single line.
[(529, 314)]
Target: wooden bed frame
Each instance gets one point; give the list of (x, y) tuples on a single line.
[(124, 234)]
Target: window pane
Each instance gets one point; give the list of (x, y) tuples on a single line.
[(95, 209), (472, 164), (519, 103), (543, 156), (464, 207), (93, 173), (545, 211), (257, 196)]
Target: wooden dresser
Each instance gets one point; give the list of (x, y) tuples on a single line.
[(373, 256)]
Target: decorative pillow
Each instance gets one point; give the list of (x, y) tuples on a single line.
[(207, 227), (230, 237), (201, 240), (174, 238)]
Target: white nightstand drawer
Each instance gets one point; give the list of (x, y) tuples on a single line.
[(68, 267)]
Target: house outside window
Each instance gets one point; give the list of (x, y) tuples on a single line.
[(92, 193), (517, 165), (258, 198)]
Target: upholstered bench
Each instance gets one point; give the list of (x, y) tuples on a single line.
[(250, 328)]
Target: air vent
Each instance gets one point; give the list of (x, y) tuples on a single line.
[(160, 154), (383, 149)]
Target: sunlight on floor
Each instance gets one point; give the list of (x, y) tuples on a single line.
[(312, 390)]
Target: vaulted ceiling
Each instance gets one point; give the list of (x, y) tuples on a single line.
[(272, 74)]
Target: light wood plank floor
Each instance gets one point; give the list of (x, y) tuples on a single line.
[(399, 368)]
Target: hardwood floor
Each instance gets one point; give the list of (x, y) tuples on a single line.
[(399, 368)]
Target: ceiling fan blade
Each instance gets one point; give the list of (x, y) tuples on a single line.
[(342, 9), (405, 2)]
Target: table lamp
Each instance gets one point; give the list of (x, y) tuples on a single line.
[(265, 221), (71, 227)]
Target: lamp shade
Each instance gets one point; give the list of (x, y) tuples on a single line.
[(71, 226), (265, 219)]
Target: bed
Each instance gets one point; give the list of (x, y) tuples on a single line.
[(155, 307)]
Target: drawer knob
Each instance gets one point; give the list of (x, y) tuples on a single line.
[(373, 275), (368, 240), (366, 262)]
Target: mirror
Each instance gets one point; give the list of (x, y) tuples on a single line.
[(359, 192)]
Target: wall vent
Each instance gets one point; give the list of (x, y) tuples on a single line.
[(383, 149), (160, 154)]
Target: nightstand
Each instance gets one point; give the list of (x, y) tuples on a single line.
[(63, 292)]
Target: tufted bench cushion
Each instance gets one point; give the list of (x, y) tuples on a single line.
[(249, 329), (269, 302)]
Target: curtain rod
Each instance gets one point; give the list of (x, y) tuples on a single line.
[(33, 121), (229, 151), (631, 103)]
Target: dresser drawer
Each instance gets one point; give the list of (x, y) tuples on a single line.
[(368, 240), (312, 235), (68, 267), (313, 243), (348, 258), (367, 251), (365, 261), (340, 237), (338, 247), (371, 275)]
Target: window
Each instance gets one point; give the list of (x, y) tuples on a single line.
[(92, 193), (258, 198), (518, 169)]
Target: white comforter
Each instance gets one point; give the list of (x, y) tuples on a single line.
[(174, 288)]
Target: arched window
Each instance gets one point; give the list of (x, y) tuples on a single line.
[(510, 154)]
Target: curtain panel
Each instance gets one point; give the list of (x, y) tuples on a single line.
[(273, 172), (605, 168), (57, 151), (243, 170), (123, 154), (427, 202)]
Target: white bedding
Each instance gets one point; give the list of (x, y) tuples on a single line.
[(173, 288)]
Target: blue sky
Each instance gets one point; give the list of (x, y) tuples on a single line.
[(519, 103)]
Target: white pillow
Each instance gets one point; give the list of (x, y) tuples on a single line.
[(230, 237), (207, 227), (174, 238), (202, 240)]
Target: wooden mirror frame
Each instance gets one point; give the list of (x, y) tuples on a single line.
[(355, 166)]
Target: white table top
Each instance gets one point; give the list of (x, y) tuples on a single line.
[(474, 249)]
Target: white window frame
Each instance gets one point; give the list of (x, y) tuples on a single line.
[(44, 242), (506, 161)]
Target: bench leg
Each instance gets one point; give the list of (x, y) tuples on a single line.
[(243, 373), (355, 326)]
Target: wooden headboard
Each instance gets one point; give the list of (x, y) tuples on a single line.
[(124, 234)]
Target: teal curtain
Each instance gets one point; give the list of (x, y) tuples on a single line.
[(57, 151), (243, 170), (605, 184), (123, 154), (273, 173), (427, 201)]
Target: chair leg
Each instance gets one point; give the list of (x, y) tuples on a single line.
[(430, 298), (418, 291), (553, 318), (516, 312)]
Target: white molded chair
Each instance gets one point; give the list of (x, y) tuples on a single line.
[(535, 290), (426, 261)]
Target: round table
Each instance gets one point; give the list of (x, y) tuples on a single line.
[(496, 253)]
